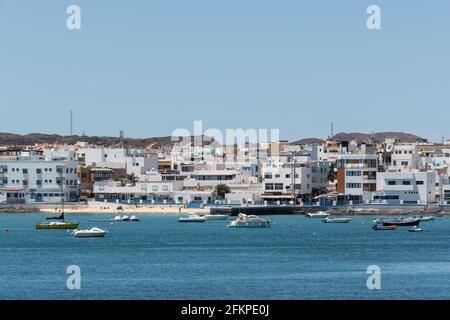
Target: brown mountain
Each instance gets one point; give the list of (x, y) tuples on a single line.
[(378, 137), (39, 138)]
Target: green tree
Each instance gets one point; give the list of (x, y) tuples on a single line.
[(221, 190), (332, 173)]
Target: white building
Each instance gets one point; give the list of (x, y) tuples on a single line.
[(404, 158), (41, 179), (319, 175), (284, 181), (133, 160), (405, 187), (140, 192)]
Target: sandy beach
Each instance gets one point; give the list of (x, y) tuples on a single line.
[(130, 210)]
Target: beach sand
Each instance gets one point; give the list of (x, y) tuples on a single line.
[(130, 210)]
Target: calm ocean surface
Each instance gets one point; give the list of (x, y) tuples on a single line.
[(158, 258)]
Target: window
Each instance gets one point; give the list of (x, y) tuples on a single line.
[(288, 176), (406, 183), (353, 173), (38, 171), (278, 186), (392, 183), (277, 176), (419, 183), (38, 182), (269, 186), (353, 185), (165, 188), (25, 171), (268, 176)]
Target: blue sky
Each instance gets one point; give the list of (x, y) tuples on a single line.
[(149, 67)]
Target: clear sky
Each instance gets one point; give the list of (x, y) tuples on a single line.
[(149, 67)]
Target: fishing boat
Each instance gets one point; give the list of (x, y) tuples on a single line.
[(216, 216), (337, 220), (192, 218), (251, 221), (58, 225), (319, 214), (381, 227), (415, 229), (89, 233), (402, 222)]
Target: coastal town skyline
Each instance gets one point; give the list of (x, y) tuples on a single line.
[(150, 67)]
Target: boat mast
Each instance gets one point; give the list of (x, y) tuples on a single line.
[(62, 194)]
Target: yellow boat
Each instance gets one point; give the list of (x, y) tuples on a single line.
[(58, 225)]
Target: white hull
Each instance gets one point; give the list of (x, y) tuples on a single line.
[(216, 217), (89, 233), (319, 214), (337, 220), (244, 221), (192, 218)]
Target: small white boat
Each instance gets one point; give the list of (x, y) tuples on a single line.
[(216, 216), (124, 218), (134, 218), (426, 218), (89, 233), (415, 229), (337, 220), (244, 221), (319, 214), (192, 218)]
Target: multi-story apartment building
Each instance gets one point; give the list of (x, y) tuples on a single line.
[(404, 158), (356, 175), (284, 181), (40, 179)]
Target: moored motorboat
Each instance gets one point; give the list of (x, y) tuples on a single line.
[(216, 216), (89, 233), (337, 220), (192, 218), (134, 218), (319, 214), (251, 221), (402, 222), (381, 227), (415, 229), (57, 225), (123, 218), (426, 218)]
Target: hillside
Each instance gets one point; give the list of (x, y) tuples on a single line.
[(378, 137), (365, 137), (39, 138)]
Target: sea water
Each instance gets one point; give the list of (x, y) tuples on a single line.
[(159, 258)]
